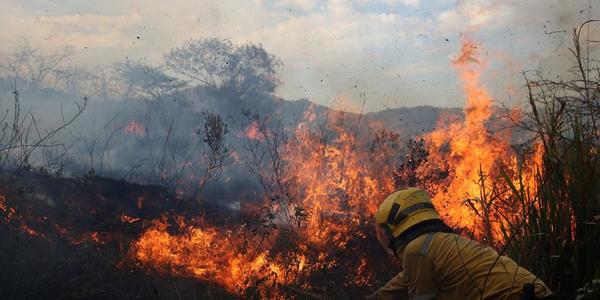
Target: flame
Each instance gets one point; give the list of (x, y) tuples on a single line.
[(254, 132), (320, 201), (96, 237), (333, 182), (134, 128), (11, 216), (9, 212), (30, 231), (466, 150), (205, 253), (471, 155), (320, 198)]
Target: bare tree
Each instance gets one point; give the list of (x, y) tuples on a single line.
[(106, 84), (31, 68)]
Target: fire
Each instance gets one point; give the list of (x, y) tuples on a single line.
[(9, 212), (321, 188), (96, 237), (32, 232), (333, 182), (320, 201), (11, 216), (205, 253), (470, 154), (43, 227), (253, 132), (134, 128), (128, 219), (321, 184), (466, 150)]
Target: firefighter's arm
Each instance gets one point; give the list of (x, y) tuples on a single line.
[(395, 289), (418, 270)]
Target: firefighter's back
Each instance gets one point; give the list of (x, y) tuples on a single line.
[(465, 269)]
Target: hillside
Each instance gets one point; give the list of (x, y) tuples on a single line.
[(135, 139)]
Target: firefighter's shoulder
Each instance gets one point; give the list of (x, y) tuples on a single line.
[(420, 245)]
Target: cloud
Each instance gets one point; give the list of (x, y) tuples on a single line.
[(327, 46), (92, 30), (409, 3), (342, 50), (106, 37), (474, 17), (306, 5)]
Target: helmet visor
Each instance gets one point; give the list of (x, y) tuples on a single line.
[(384, 238)]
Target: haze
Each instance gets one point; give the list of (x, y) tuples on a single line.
[(394, 52)]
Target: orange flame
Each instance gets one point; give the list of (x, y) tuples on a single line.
[(470, 154), (325, 191), (253, 132), (325, 196), (204, 253), (9, 212), (134, 128)]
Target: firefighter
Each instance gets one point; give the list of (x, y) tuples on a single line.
[(440, 264)]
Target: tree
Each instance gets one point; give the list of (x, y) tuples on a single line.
[(142, 79), (219, 65), (29, 67)]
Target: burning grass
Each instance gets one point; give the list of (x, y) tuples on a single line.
[(317, 209), (321, 187)]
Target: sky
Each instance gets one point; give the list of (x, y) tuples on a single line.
[(388, 53)]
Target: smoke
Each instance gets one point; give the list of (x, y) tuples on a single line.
[(148, 127)]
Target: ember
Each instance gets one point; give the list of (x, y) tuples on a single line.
[(128, 219)]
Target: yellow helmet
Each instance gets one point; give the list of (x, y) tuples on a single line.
[(404, 209)]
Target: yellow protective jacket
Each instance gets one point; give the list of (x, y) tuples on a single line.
[(446, 266)]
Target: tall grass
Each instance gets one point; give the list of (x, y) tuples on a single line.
[(558, 237)]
